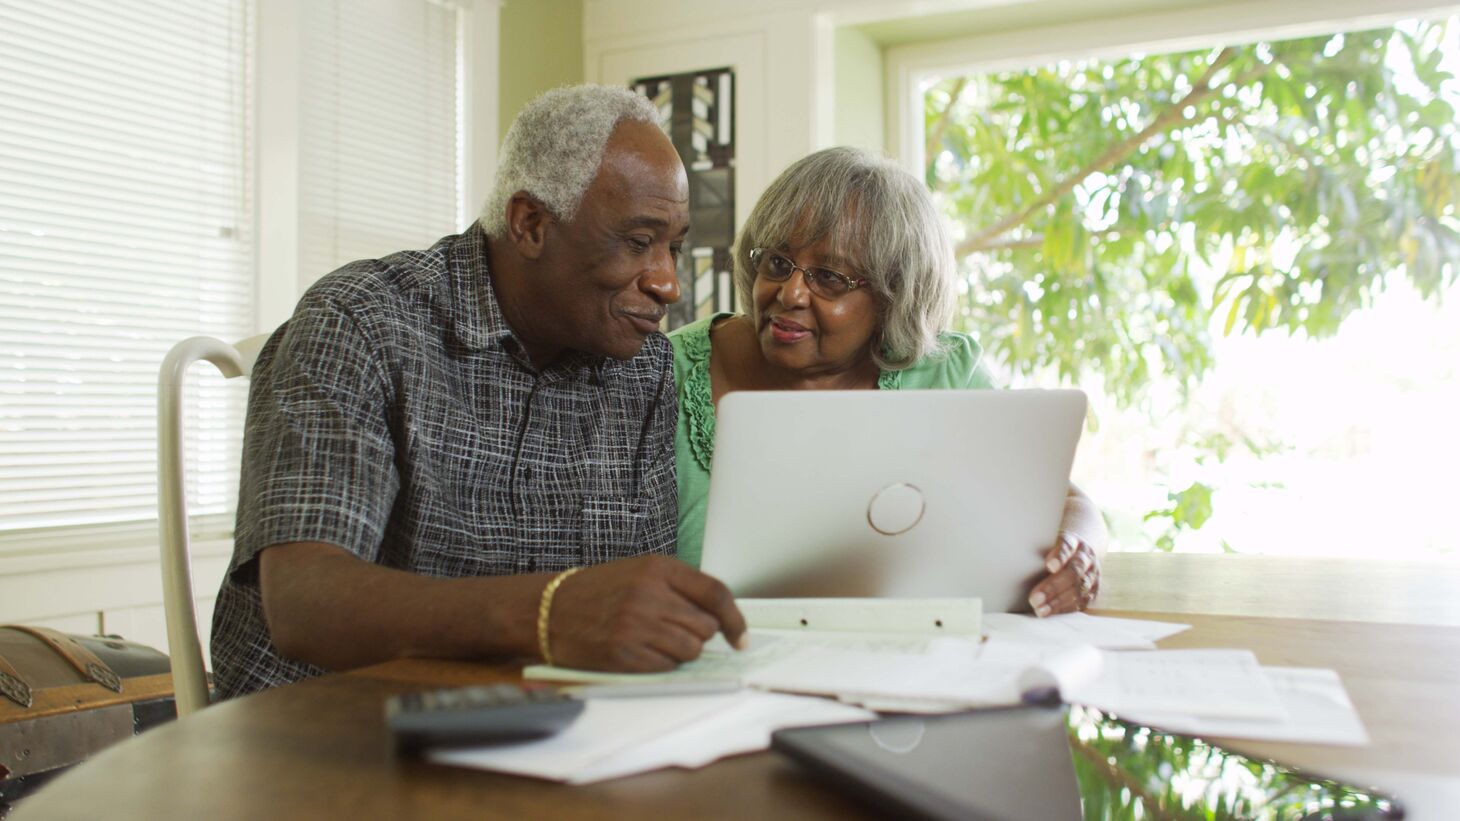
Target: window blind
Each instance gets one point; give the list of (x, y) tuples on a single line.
[(381, 129), (125, 226)]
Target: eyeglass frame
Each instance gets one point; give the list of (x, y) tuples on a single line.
[(852, 283)]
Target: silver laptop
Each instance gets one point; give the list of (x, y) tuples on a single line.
[(891, 494)]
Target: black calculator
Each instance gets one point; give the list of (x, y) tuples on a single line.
[(476, 715)]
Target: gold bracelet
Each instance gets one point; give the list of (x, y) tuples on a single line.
[(545, 609)]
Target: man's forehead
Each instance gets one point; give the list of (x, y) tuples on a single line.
[(641, 142), (650, 220), (642, 175)]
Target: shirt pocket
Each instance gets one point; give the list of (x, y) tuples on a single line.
[(611, 528)]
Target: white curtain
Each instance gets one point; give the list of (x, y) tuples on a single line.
[(380, 153)]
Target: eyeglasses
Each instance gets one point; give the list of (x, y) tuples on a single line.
[(824, 282)]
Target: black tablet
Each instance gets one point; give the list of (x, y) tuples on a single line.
[(1056, 763)]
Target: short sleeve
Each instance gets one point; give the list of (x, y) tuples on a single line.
[(975, 370), (319, 460), (959, 365)]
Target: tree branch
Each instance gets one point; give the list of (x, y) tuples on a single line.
[(1031, 241), (940, 128), (1171, 117)]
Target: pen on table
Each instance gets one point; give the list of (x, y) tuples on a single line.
[(691, 687)]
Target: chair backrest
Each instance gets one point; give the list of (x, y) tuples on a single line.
[(189, 680)]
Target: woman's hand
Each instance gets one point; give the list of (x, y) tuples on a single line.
[(1073, 580)]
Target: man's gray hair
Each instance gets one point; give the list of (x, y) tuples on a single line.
[(880, 218), (553, 148)]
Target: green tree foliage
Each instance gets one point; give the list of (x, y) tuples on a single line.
[(1112, 209), (1127, 772)]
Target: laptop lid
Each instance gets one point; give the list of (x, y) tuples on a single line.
[(893, 494)]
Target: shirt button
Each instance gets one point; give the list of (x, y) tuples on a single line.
[(532, 564), (527, 472)]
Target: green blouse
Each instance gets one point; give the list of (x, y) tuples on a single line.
[(960, 366)]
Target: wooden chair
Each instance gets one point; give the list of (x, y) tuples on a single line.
[(190, 682)]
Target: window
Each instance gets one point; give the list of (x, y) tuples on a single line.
[(125, 226), (128, 207), (381, 149), (1250, 254)]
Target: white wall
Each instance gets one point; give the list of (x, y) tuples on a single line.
[(858, 100), (773, 68), (106, 590), (783, 53)]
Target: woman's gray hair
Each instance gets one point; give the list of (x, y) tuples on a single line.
[(553, 148), (881, 219)]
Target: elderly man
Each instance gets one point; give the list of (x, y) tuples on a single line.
[(438, 441)]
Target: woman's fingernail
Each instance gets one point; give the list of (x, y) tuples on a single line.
[(1052, 565), (1042, 610), (742, 642), (1037, 599)]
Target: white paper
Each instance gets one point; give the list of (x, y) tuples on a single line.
[(1318, 711), (925, 616), (718, 660), (1067, 672), (619, 737), (998, 672), (1145, 628), (746, 728), (1208, 683), (1081, 628), (605, 727), (948, 674)]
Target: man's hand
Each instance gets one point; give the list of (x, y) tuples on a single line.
[(640, 615), (1073, 580)]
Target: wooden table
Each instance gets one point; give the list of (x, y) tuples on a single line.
[(318, 749), (1392, 592)]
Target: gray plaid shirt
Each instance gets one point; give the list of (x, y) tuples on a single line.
[(397, 416)]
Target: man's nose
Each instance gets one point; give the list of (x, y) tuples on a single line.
[(662, 282)]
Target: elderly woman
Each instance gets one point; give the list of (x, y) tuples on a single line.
[(848, 275)]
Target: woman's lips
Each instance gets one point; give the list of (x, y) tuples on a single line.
[(786, 331)]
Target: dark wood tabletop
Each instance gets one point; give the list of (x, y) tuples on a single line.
[(319, 748)]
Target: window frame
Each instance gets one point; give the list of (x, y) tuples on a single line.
[(907, 67)]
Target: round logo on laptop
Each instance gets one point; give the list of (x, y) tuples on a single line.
[(895, 509)]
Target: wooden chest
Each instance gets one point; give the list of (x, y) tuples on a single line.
[(65, 697)]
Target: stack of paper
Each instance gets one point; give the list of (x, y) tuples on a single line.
[(615, 737), (1101, 662), (1215, 683), (1316, 709), (1103, 632)]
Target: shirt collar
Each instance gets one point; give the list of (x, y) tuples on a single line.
[(481, 324)]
